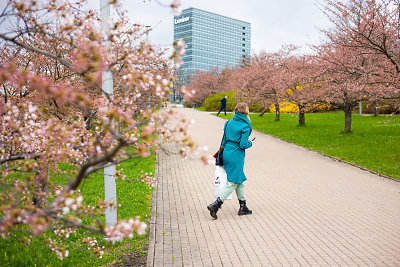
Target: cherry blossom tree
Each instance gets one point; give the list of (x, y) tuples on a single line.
[(371, 30), (347, 78), (53, 110), (206, 83), (260, 81), (361, 55), (300, 75)]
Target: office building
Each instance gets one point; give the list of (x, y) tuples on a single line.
[(212, 41)]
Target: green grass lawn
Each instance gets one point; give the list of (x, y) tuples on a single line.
[(135, 200), (373, 143)]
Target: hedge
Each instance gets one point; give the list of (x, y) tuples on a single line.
[(213, 102)]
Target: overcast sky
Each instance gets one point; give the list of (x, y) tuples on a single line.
[(273, 22)]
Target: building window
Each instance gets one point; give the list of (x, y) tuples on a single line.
[(243, 45), (244, 33), (244, 39), (243, 50), (244, 28)]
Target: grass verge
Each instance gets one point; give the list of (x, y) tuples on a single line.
[(373, 142), (135, 200)]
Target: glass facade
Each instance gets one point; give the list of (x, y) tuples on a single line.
[(212, 41)]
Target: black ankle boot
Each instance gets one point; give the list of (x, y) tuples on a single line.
[(243, 210), (214, 207)]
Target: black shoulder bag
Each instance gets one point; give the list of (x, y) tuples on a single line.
[(218, 156)]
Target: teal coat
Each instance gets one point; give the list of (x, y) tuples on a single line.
[(235, 141)]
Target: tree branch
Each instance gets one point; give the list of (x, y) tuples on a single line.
[(36, 50), (20, 156)]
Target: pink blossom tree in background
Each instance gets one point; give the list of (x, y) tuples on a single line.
[(300, 75), (207, 83), (260, 81), (348, 78), (361, 57), (341, 81), (53, 110), (370, 29)]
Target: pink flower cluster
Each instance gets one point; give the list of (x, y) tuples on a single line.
[(92, 244), (124, 229), (61, 251), (148, 179)]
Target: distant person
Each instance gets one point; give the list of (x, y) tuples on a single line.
[(223, 105), (234, 143)]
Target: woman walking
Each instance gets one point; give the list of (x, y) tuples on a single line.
[(235, 141)]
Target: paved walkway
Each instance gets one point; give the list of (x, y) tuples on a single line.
[(308, 210)]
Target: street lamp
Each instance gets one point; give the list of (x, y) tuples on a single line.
[(107, 87), (148, 29)]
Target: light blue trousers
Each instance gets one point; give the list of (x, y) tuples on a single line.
[(229, 188)]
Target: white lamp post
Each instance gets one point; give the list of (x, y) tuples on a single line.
[(109, 169)]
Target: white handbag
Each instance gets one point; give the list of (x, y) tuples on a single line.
[(220, 181)]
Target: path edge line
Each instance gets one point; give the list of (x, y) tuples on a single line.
[(153, 216)]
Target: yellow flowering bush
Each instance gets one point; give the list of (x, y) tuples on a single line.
[(285, 107)]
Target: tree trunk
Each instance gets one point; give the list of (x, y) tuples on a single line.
[(376, 111), (264, 111), (277, 112), (302, 118), (5, 94), (40, 190), (347, 118)]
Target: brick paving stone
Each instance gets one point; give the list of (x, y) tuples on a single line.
[(308, 210)]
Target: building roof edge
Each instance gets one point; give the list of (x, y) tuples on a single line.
[(215, 14)]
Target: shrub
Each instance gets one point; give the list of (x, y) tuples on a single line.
[(188, 105), (285, 107), (255, 107), (288, 107), (213, 102), (384, 107), (321, 108)]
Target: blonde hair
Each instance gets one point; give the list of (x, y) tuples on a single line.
[(242, 108)]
